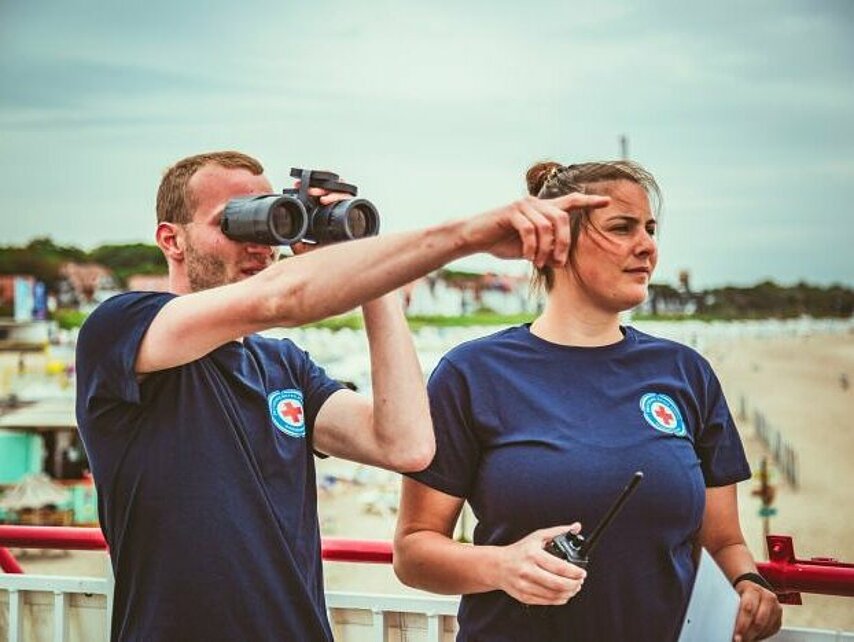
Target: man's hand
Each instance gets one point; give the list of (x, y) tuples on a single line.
[(759, 613), (326, 198), (531, 228), (533, 576)]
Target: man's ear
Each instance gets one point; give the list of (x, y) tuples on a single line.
[(170, 239)]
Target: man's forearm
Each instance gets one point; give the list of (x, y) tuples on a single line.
[(401, 413), (338, 278)]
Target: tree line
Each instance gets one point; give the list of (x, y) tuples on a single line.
[(42, 258), (761, 301)]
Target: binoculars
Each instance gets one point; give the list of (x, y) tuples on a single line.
[(294, 216)]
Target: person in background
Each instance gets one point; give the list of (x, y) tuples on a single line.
[(201, 433), (540, 426)]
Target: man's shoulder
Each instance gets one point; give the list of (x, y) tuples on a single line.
[(118, 316), (127, 303), (273, 347)]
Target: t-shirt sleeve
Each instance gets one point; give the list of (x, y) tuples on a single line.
[(718, 445), (458, 451), (317, 387), (109, 342)]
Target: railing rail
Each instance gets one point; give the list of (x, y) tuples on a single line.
[(787, 574), (791, 576), (78, 609), (334, 549)]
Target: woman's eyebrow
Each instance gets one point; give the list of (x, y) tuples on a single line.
[(629, 217)]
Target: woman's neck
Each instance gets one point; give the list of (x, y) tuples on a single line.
[(573, 320)]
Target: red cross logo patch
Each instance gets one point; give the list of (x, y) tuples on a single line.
[(286, 411), (662, 413)]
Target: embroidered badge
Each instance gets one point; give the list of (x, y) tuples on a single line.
[(287, 412), (662, 413)]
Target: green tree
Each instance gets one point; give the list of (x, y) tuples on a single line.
[(129, 259), (40, 258)]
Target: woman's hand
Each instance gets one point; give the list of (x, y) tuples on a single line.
[(759, 613), (533, 576)]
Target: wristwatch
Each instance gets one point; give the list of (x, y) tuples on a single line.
[(756, 578)]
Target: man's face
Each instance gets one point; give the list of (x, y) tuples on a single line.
[(212, 259)]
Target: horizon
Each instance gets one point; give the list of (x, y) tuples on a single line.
[(452, 268)]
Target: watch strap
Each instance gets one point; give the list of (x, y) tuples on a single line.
[(756, 578)]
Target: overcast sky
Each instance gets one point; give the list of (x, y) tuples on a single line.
[(744, 111)]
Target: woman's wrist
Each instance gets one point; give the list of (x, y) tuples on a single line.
[(490, 565), (754, 577)]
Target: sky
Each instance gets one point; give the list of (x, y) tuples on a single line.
[(744, 112)]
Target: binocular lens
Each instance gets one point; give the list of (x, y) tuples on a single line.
[(286, 220), (267, 219), (358, 222)]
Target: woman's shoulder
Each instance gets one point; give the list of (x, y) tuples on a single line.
[(675, 349), (480, 348)]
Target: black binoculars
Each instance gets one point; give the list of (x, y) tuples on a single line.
[(294, 216)]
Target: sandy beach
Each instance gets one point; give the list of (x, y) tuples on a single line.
[(794, 381)]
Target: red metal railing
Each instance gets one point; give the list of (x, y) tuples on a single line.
[(789, 575), (91, 539), (8, 563)]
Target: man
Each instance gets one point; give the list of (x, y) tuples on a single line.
[(201, 434)]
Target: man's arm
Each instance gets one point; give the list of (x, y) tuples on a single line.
[(335, 279), (393, 431)]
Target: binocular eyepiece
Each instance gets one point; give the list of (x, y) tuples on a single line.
[(294, 216)]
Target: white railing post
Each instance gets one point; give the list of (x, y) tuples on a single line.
[(60, 616), (434, 627), (16, 623), (378, 632)]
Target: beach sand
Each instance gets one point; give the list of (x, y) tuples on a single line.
[(795, 384), (793, 381)]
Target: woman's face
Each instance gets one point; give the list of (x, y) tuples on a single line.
[(616, 253)]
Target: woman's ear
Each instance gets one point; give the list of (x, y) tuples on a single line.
[(170, 239)]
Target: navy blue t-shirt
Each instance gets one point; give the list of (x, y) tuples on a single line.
[(535, 434), (206, 483)]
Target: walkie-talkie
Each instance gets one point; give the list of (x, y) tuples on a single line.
[(574, 548)]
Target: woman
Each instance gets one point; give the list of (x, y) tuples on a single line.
[(540, 426)]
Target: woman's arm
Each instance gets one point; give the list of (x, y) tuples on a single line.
[(426, 557), (760, 614)]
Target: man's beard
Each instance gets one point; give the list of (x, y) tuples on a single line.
[(204, 271)]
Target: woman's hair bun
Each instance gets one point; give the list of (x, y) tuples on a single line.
[(538, 175)]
